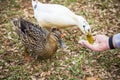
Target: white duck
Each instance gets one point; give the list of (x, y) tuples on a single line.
[(49, 15)]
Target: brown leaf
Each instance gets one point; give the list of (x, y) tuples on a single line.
[(45, 73), (32, 77), (92, 78)]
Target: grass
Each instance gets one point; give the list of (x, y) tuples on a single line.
[(76, 63)]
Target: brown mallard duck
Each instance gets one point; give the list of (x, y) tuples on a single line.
[(38, 42)]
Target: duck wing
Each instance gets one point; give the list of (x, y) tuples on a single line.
[(32, 36)]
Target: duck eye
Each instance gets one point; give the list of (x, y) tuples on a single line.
[(83, 26)]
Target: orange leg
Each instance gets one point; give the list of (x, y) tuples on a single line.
[(57, 29), (26, 56)]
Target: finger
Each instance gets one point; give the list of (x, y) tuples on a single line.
[(81, 42), (94, 47), (84, 43), (87, 45)]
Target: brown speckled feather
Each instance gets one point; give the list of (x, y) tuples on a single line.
[(38, 41)]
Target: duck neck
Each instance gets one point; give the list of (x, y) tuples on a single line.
[(80, 23)]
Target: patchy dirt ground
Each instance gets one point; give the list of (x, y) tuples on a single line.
[(77, 63)]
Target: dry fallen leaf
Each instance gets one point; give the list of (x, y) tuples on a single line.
[(92, 78), (32, 77), (45, 73)]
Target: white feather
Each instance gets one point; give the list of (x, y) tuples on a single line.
[(49, 15)]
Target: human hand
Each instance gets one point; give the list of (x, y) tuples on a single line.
[(101, 43)]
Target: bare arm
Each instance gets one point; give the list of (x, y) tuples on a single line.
[(101, 43)]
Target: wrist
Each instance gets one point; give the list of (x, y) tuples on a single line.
[(112, 44)]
